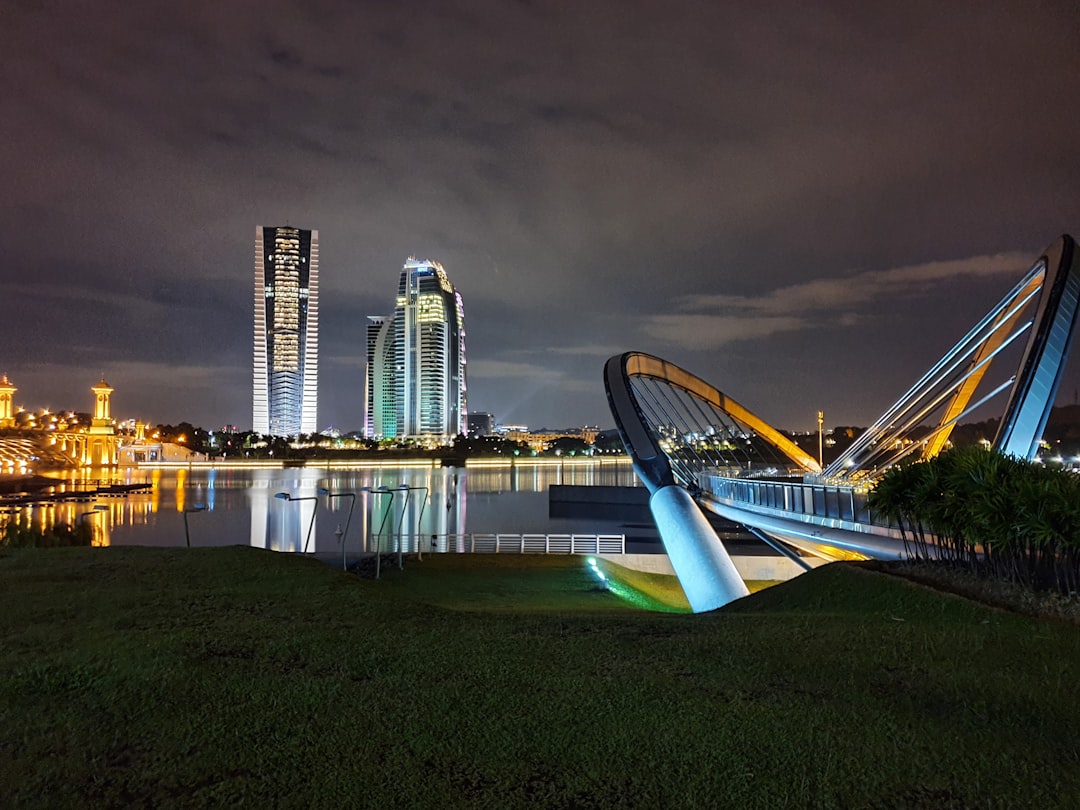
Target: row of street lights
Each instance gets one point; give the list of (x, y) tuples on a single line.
[(342, 534), (383, 490)]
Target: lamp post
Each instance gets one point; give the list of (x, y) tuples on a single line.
[(98, 507), (386, 514), (285, 496), (197, 507), (407, 490), (352, 502), (820, 438)]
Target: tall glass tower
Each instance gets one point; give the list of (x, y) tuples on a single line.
[(285, 392), (415, 384)]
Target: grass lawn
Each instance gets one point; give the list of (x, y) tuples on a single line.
[(138, 677)]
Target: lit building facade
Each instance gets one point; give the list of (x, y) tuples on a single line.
[(415, 385), (481, 424), (101, 446), (7, 407), (285, 391)]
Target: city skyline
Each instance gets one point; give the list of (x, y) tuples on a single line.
[(805, 206)]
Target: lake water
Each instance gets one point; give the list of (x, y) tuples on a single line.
[(227, 506)]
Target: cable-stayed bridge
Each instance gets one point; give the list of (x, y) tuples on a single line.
[(696, 448)]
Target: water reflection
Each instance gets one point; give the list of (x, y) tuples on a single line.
[(438, 504)]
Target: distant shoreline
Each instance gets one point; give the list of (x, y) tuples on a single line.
[(330, 464)]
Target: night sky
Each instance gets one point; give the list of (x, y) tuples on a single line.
[(806, 207)]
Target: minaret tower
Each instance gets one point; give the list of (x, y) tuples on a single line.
[(102, 391), (7, 391), (101, 445)]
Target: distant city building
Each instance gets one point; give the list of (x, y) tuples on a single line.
[(285, 391), (7, 392), (481, 424), (100, 449), (540, 439), (415, 385), (55, 440), (374, 329)]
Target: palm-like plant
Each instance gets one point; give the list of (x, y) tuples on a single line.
[(997, 515), (888, 500)]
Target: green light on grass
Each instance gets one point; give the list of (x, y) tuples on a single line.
[(615, 584)]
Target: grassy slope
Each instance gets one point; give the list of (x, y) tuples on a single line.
[(158, 677)]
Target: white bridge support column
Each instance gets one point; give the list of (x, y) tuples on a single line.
[(705, 571)]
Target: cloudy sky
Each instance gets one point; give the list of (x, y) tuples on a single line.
[(805, 204)]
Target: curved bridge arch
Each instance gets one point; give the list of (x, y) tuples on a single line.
[(658, 427), (640, 427), (670, 423)]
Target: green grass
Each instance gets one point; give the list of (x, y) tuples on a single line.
[(137, 677)]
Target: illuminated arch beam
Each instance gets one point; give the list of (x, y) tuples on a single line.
[(621, 368), (978, 365), (1039, 375)]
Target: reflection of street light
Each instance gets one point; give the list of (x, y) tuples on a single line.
[(98, 507), (352, 502), (195, 507), (407, 489), (386, 514), (285, 496)]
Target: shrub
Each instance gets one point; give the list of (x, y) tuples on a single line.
[(999, 516), (21, 533)]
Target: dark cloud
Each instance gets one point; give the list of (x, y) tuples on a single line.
[(686, 178)]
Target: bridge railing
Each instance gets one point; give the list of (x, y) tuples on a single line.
[(502, 543), (816, 500)]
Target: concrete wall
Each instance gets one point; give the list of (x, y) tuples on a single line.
[(749, 566)]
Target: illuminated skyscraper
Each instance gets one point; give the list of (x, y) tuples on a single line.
[(415, 384), (285, 393)]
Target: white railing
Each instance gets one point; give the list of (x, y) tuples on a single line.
[(501, 543)]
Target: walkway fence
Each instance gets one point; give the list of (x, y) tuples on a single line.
[(502, 543), (816, 500)]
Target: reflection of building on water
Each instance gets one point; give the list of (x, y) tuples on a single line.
[(76, 499), (428, 514), (283, 525), (101, 515), (435, 505), (425, 514)]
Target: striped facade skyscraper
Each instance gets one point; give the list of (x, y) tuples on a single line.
[(286, 380), (415, 385)]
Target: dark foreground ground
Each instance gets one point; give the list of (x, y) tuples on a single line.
[(135, 677)]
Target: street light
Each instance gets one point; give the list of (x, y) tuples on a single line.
[(195, 507), (285, 496), (352, 502), (407, 490), (98, 507), (389, 507), (820, 438)]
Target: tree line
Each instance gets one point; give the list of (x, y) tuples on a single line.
[(314, 445)]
